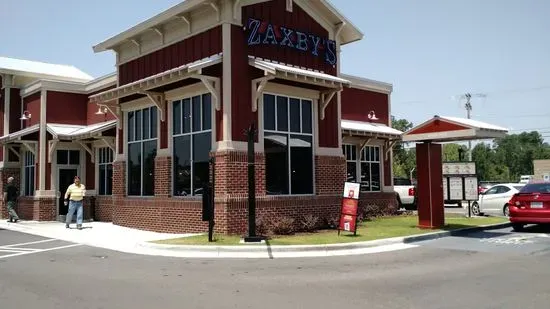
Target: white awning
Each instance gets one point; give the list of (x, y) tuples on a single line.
[(15, 136), (284, 71), (189, 70), (282, 140), (360, 128), (77, 132)]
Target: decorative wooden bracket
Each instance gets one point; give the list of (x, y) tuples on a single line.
[(326, 97), (88, 149), (109, 142), (112, 107), (363, 144), (10, 148), (213, 85), (185, 18), (216, 8), (160, 102), (29, 147), (51, 148), (258, 86), (158, 30), (389, 146)]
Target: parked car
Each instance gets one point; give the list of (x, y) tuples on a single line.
[(485, 185), (495, 199), (531, 205), (406, 193)]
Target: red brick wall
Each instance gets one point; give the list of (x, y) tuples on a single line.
[(104, 208), (232, 173), (330, 175), (163, 173), (37, 209)]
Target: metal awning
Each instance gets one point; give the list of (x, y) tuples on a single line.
[(369, 129), (146, 85), (76, 132), (273, 70), (17, 136)]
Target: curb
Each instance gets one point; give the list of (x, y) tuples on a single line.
[(254, 249)]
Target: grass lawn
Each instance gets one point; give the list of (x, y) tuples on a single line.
[(371, 230)]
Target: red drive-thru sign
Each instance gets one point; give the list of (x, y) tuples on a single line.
[(348, 212)]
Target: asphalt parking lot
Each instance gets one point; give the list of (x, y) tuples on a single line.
[(14, 244)]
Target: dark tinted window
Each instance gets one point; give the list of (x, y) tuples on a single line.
[(401, 182), (536, 188)]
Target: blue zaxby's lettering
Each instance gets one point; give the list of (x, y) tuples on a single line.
[(261, 32)]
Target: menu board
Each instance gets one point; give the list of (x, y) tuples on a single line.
[(455, 186), (459, 168), (445, 191), (470, 189)]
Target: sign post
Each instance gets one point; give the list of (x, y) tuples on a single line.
[(460, 182), (348, 211), (208, 205), (251, 133)]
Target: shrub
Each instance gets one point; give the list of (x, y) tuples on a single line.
[(262, 226), (330, 222), (283, 226), (309, 223)]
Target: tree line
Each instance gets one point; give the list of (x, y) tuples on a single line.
[(502, 159)]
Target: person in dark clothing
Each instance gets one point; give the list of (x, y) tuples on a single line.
[(10, 197)]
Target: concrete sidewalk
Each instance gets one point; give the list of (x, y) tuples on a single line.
[(113, 237)]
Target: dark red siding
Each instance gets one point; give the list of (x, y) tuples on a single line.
[(32, 105), (357, 103), (275, 13), (197, 47), (328, 127), (15, 110), (387, 168), (66, 108), (241, 76), (92, 109), (437, 126)]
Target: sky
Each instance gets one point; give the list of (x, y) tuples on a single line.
[(432, 51)]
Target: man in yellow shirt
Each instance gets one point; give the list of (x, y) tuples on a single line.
[(75, 194)]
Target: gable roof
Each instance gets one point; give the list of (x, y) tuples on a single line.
[(349, 32), (449, 129), (42, 70)]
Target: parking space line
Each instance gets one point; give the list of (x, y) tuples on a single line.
[(12, 250), (29, 243), (39, 251)]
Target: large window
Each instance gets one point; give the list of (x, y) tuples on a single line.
[(192, 137), (288, 139), (68, 157), (142, 150), (368, 166), (105, 163), (28, 173)]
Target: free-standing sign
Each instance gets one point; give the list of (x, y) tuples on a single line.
[(460, 181), (260, 32), (348, 211)]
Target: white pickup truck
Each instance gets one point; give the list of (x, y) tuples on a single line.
[(406, 193)]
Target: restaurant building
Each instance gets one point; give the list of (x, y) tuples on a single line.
[(189, 82)]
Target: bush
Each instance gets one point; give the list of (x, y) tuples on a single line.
[(262, 226), (330, 222), (309, 223), (283, 226)]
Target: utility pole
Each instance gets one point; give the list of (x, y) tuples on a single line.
[(468, 106)]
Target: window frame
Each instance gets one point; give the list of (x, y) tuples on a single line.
[(288, 133), (142, 141), (359, 160), (110, 155), (191, 134), (25, 167)]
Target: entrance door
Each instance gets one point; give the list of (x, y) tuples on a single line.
[(65, 179)]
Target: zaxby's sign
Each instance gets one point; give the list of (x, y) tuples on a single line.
[(264, 33)]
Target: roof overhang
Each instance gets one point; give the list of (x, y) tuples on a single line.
[(71, 87), (368, 84), (146, 85), (18, 136), (76, 132), (369, 130), (441, 129), (347, 31), (274, 70)]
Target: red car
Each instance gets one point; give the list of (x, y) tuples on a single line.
[(531, 205)]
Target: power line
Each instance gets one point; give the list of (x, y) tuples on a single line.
[(468, 106)]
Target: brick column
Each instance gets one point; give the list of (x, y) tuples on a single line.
[(330, 174), (119, 178), (163, 176), (232, 173)]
